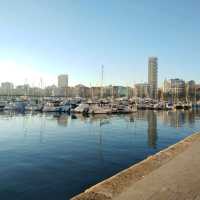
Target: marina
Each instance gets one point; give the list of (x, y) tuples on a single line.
[(99, 100), (59, 155), (92, 106)]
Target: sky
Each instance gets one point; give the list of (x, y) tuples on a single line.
[(40, 39)]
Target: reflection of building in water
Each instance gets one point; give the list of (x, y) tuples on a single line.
[(141, 114), (174, 118), (197, 114), (178, 118), (152, 129), (81, 117), (62, 120), (190, 117)]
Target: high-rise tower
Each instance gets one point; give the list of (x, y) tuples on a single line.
[(63, 81), (153, 76)]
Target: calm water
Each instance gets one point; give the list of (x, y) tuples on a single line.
[(57, 156)]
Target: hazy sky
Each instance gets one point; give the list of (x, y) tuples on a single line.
[(44, 38)]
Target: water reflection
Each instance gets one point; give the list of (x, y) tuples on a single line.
[(175, 119), (56, 156), (179, 118), (62, 119), (152, 129)]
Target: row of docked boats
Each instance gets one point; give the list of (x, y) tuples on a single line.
[(103, 109), (98, 106), (66, 106), (164, 106), (149, 104), (50, 106)]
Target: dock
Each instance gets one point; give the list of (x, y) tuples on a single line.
[(171, 174)]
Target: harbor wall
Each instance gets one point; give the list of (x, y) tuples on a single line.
[(112, 187)]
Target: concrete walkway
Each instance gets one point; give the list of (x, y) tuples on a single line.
[(172, 174), (179, 179)]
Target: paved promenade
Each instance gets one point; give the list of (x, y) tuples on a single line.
[(179, 179), (173, 174)]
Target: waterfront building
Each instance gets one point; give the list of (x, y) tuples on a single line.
[(142, 90), (115, 91), (191, 91), (198, 92), (174, 90), (71, 92), (63, 85), (123, 91), (22, 90), (160, 94), (7, 88), (153, 76), (63, 81), (107, 91), (130, 92), (50, 90), (82, 91), (95, 92)]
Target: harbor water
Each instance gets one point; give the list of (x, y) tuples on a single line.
[(56, 156)]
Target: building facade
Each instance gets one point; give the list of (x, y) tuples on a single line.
[(63, 81), (143, 90), (174, 90), (153, 76), (7, 88), (191, 91)]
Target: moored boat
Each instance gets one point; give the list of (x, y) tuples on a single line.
[(82, 108), (97, 109)]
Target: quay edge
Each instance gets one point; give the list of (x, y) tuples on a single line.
[(115, 185)]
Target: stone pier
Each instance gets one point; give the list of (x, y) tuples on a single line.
[(171, 174)]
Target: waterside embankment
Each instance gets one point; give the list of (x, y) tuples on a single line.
[(173, 173)]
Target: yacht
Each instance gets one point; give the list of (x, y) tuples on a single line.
[(169, 106), (187, 106), (179, 105), (15, 106), (97, 109), (30, 107), (34, 106), (82, 108), (65, 107), (56, 106), (123, 109)]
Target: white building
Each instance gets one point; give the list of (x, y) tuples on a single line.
[(6, 88), (63, 81)]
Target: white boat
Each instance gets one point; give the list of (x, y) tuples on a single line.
[(56, 107), (158, 106), (96, 109), (125, 109), (169, 106), (49, 107), (64, 107), (38, 107), (82, 108), (15, 106)]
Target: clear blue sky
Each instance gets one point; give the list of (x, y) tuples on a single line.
[(44, 38)]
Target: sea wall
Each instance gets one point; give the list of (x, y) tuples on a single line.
[(115, 185)]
